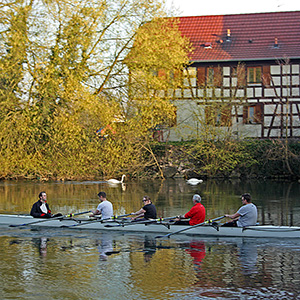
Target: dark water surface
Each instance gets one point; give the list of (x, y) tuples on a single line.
[(79, 264)]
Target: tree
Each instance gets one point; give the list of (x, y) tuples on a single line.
[(63, 77)]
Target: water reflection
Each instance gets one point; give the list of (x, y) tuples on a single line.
[(134, 266), (149, 247), (41, 245), (105, 247), (197, 251), (248, 256)]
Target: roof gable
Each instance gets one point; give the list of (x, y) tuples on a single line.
[(244, 36)]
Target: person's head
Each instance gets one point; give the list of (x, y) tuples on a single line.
[(102, 196), (42, 196), (146, 200), (246, 198), (196, 198)]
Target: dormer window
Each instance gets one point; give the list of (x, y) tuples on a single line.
[(207, 46)]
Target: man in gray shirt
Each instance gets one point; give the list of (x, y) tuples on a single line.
[(105, 208), (245, 216)]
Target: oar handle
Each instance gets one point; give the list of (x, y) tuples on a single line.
[(94, 221), (142, 222)]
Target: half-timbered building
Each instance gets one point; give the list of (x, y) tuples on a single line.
[(243, 77)]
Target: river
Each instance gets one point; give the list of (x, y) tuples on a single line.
[(82, 264)]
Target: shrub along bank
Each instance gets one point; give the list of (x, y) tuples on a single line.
[(248, 158)]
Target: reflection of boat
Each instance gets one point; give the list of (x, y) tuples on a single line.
[(157, 227)]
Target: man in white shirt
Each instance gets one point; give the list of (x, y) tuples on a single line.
[(245, 216), (105, 208)]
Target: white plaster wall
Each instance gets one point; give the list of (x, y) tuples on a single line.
[(275, 70), (226, 71)]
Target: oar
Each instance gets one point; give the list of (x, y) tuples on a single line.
[(93, 221), (50, 219), (142, 222), (189, 227)]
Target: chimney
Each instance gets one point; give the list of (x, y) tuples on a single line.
[(228, 38), (276, 43)]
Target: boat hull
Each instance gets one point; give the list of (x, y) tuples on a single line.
[(266, 231)]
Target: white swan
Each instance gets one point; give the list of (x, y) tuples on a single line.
[(116, 181), (194, 181)]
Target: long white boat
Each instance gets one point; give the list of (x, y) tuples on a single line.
[(160, 226)]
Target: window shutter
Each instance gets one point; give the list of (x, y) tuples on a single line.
[(161, 73), (245, 114), (259, 113), (266, 76), (217, 76), (226, 116), (200, 76)]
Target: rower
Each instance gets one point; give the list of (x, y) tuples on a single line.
[(40, 209), (196, 214), (245, 216), (147, 212), (105, 208)]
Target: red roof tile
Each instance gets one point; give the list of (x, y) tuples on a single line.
[(252, 36)]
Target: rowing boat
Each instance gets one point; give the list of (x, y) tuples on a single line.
[(161, 227)]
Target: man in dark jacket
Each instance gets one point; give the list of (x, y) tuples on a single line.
[(40, 209)]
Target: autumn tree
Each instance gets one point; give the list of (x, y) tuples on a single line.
[(64, 74)]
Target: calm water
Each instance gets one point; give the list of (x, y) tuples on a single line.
[(79, 264)]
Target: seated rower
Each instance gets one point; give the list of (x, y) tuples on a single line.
[(245, 216), (105, 207), (40, 209), (147, 212), (196, 214)]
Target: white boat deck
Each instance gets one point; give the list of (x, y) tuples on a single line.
[(162, 228)]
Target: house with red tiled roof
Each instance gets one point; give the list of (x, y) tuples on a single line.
[(244, 75)]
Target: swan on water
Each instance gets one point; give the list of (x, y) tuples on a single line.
[(115, 181), (194, 181)]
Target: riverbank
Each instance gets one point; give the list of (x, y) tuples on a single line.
[(246, 159)]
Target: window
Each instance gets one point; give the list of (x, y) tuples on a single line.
[(210, 76), (240, 73), (218, 115), (253, 114), (254, 74), (214, 76)]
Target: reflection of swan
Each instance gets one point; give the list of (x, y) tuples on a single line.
[(194, 181), (116, 181)]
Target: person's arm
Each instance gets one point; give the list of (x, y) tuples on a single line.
[(138, 214), (95, 213), (234, 216), (34, 211)]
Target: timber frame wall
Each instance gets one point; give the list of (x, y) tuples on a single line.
[(266, 106)]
